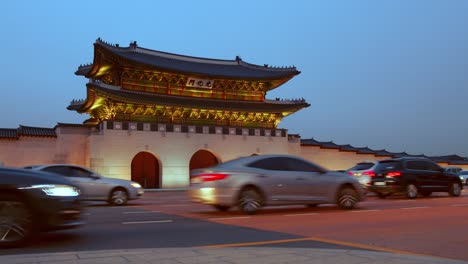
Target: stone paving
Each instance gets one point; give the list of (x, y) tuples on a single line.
[(240, 255)]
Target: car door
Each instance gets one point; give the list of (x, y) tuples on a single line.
[(93, 185), (418, 172), (308, 181), (271, 177), (440, 178)]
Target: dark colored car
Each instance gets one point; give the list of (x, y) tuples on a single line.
[(412, 176), (32, 201)]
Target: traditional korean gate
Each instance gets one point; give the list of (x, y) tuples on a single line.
[(146, 170)]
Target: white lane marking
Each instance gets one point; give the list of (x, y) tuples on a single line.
[(459, 205), (416, 207), (363, 211), (229, 218), (143, 212), (301, 214), (147, 222)]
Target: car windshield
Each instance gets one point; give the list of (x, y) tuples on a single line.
[(362, 166)]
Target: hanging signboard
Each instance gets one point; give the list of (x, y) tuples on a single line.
[(199, 83)]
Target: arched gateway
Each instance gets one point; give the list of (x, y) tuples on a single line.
[(146, 170), (203, 159)]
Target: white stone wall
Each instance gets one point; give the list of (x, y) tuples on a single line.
[(112, 151), (27, 151)]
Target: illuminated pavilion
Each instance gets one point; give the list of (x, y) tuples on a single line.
[(142, 90)]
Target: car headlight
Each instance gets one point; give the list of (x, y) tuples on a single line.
[(135, 184), (56, 189)]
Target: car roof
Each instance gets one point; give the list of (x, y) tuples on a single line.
[(41, 166)]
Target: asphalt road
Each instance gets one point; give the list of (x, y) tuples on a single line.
[(435, 226)]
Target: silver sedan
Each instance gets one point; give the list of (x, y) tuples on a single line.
[(93, 186), (261, 180)]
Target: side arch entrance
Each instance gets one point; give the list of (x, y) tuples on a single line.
[(203, 159), (146, 170)]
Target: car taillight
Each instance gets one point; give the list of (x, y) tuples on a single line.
[(207, 177), (350, 173), (394, 174), (369, 173)]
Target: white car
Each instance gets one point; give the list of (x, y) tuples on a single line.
[(363, 171), (93, 186), (253, 182)]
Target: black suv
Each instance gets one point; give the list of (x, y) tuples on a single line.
[(410, 176)]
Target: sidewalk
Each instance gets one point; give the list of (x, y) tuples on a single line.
[(244, 255)]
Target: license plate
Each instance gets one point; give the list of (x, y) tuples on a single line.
[(379, 183)]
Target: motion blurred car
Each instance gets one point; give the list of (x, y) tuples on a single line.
[(363, 171), (93, 186), (33, 201), (412, 176), (262, 180), (463, 175)]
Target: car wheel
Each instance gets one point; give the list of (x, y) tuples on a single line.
[(222, 208), (347, 198), (15, 221), (250, 201), (455, 189), (411, 191), (426, 193), (118, 197)]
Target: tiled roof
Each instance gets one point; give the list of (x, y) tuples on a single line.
[(347, 148), (383, 152), (8, 133), (329, 145), (236, 68), (450, 159), (36, 131), (114, 93), (26, 131), (310, 142), (365, 150)]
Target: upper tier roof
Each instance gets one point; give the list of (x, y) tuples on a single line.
[(231, 69)]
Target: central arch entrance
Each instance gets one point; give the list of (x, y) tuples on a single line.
[(203, 159), (146, 170)]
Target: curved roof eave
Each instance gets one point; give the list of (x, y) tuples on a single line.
[(230, 69), (191, 102)]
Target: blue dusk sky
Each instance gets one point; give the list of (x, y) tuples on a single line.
[(383, 74)]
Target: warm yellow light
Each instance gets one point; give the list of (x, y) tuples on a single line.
[(103, 70), (207, 193), (97, 103)]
